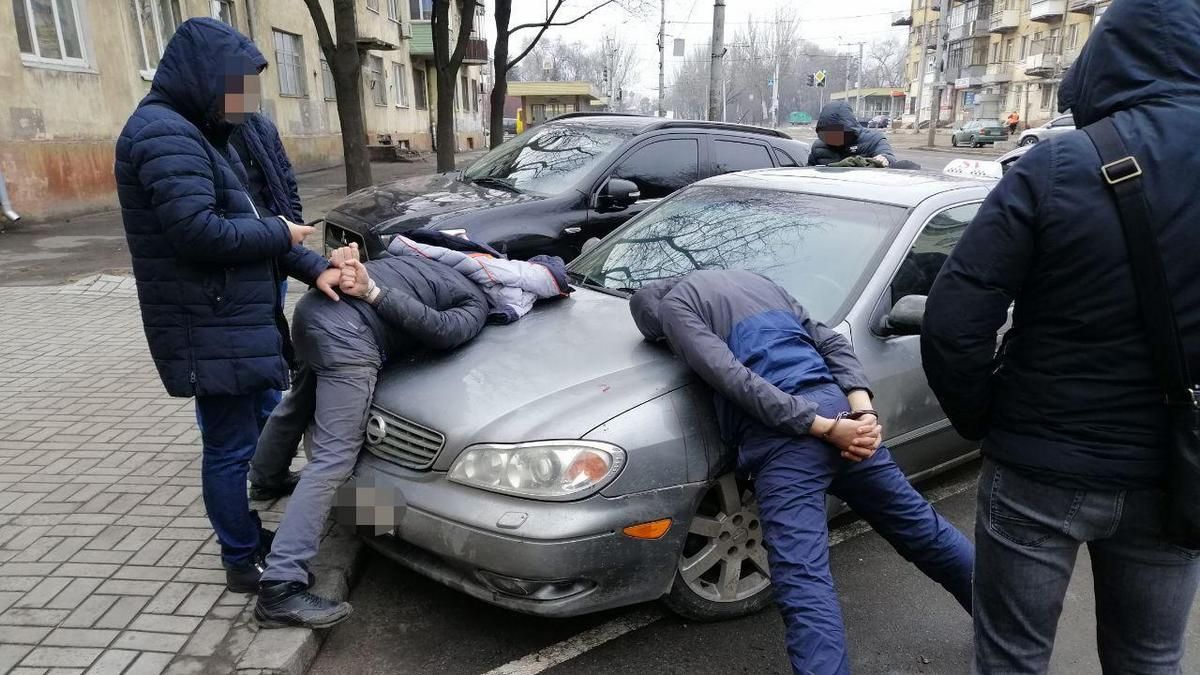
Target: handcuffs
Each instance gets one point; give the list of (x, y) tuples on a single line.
[(856, 415)]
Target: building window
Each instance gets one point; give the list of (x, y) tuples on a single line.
[(1008, 49), (49, 30), (327, 81), (400, 77), (420, 90), (1072, 36), (474, 95), (373, 5), (224, 10), (1024, 46), (375, 80), (394, 10), (420, 10), (154, 24), (1047, 96), (289, 61), (466, 93)]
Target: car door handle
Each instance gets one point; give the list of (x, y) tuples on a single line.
[(572, 230)]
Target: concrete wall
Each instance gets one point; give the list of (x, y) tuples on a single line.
[(59, 123)]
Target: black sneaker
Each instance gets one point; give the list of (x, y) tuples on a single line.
[(265, 539), (290, 604), (266, 493), (244, 578)]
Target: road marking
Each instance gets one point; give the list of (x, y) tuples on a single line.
[(579, 644), (590, 639)]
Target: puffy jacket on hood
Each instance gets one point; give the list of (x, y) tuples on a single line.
[(752, 343), (860, 141), (1072, 395), (206, 265)]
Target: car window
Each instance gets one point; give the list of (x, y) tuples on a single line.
[(930, 251), (730, 156), (784, 159), (1067, 121), (548, 159), (970, 126), (662, 167), (821, 249)]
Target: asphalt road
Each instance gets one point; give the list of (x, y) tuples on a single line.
[(898, 622)]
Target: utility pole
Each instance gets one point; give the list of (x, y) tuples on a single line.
[(775, 97), (662, 47), (1058, 69), (716, 69), (935, 104), (858, 84)]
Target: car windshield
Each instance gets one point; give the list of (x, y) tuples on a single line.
[(990, 123), (818, 248), (548, 159)]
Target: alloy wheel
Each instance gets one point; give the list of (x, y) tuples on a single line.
[(723, 557)]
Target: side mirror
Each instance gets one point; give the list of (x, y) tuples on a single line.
[(906, 316), (589, 245), (617, 193)]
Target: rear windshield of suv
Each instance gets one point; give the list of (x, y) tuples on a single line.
[(549, 159)]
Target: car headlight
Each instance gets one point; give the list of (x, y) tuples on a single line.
[(549, 470)]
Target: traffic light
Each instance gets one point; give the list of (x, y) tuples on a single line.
[(820, 76), (811, 79)]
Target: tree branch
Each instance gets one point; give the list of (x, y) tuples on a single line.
[(466, 24), (324, 35), (550, 22)]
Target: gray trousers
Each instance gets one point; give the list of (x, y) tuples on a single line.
[(332, 394), (284, 431)]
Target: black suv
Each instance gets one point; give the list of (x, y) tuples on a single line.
[(559, 184)]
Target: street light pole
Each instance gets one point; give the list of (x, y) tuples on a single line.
[(935, 103), (662, 47), (716, 70), (858, 84)]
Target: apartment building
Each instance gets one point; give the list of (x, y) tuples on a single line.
[(999, 56), (77, 68)]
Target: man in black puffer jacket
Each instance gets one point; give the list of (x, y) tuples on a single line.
[(841, 136), (392, 307), (1074, 426)]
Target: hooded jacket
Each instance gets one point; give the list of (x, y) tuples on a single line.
[(267, 159), (1072, 396), (750, 341), (511, 286), (860, 141), (206, 264)]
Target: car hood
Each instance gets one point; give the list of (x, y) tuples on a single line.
[(411, 203), (565, 368)]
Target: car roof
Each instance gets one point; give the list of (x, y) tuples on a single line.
[(900, 187), (639, 124)]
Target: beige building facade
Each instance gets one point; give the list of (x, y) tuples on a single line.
[(77, 68), (1000, 56)]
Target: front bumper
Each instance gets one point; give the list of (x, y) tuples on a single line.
[(544, 558)]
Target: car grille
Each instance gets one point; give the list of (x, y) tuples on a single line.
[(402, 441)]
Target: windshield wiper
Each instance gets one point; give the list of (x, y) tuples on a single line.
[(588, 282), (493, 181)]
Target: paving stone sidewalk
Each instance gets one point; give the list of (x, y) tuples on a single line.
[(107, 562)]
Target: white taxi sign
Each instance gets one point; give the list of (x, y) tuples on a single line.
[(974, 168)]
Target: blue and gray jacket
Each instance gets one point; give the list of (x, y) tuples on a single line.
[(750, 341), (860, 141)]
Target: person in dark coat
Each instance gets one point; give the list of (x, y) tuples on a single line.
[(840, 136), (271, 184), (792, 397), (394, 306), (1072, 418), (208, 265)]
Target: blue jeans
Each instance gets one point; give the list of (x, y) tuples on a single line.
[(229, 429), (791, 477), (1029, 534)]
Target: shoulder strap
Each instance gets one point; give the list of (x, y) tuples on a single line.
[(1122, 173)]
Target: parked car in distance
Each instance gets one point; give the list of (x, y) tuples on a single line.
[(510, 126), (1059, 125), (879, 122), (563, 465), (557, 185), (977, 133)]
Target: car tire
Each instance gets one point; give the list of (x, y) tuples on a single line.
[(725, 533), (1028, 140), (975, 143), (953, 140)]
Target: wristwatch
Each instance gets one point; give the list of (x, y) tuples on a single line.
[(859, 414)]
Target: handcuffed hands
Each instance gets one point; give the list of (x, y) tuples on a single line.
[(856, 440), (354, 280)]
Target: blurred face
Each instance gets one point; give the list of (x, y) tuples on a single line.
[(243, 96), (833, 137)]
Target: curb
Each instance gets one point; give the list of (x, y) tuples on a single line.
[(290, 651)]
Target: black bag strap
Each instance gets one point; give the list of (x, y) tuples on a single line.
[(1122, 173)]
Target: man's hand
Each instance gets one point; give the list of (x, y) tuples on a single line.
[(354, 279), (327, 282), (856, 440), (880, 161), (297, 232), (339, 256)]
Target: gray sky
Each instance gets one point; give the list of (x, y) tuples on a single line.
[(827, 23)]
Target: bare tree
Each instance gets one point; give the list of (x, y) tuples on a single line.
[(345, 61), (884, 63), (448, 62), (500, 53), (611, 64)]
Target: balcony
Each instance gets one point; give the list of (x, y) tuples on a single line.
[(959, 32), (970, 76), (1004, 21), (901, 19), (998, 72), (421, 45), (477, 52), (1047, 10), (1082, 6), (1041, 65)]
